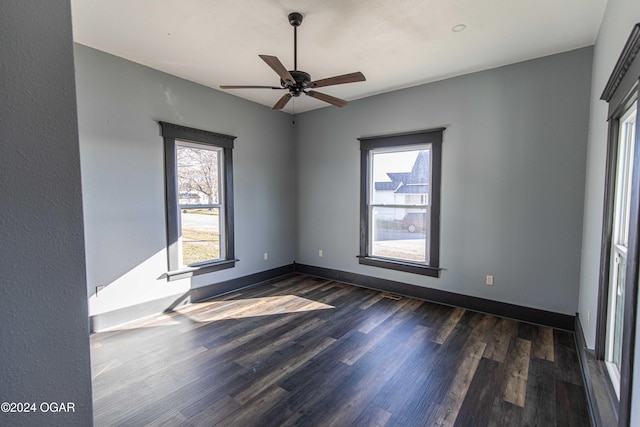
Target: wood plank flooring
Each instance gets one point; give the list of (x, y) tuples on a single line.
[(312, 352)]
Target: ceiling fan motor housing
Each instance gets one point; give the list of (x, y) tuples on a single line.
[(302, 80)]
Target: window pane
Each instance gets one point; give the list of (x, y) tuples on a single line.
[(400, 233), (401, 177), (197, 175), (200, 235), (618, 313), (198, 184), (625, 170)]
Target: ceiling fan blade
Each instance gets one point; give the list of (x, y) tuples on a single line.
[(338, 80), (249, 87), (282, 102), (277, 66), (327, 98)]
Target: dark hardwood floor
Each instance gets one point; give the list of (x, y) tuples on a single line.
[(311, 352)]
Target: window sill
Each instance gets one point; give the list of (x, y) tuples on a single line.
[(200, 269), (407, 267)]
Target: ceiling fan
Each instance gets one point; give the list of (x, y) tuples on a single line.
[(296, 81)]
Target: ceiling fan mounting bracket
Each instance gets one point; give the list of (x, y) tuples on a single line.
[(295, 19)]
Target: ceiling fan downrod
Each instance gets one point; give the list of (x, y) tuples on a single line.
[(295, 19)]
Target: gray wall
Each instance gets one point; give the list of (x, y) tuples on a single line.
[(119, 105), (513, 178), (44, 350)]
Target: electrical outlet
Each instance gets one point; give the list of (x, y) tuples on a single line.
[(489, 279), (266, 256), (320, 254)]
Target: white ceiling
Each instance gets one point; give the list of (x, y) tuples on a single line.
[(395, 43)]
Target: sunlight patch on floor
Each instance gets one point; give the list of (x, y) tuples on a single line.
[(250, 307), (154, 321)]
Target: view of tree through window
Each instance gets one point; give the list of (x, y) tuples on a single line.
[(199, 202), (198, 173)]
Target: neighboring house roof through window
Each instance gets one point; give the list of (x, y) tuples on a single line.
[(408, 182)]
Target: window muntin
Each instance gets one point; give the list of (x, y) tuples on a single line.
[(400, 201)]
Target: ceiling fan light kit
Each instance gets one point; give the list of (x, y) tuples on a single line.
[(298, 82)]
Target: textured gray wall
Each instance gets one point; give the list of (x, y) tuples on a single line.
[(44, 350), (119, 105), (513, 178)]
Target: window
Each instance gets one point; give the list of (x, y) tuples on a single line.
[(620, 258), (199, 200), (400, 202), (619, 246)]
